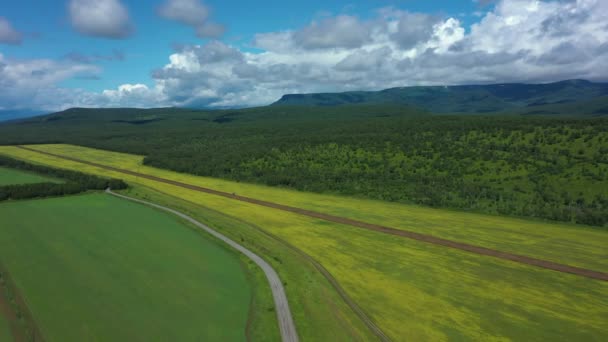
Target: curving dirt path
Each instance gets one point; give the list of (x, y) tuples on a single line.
[(360, 224), (286, 325)]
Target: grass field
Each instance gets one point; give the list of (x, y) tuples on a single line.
[(415, 291), (5, 332), (319, 313), (98, 268), (13, 177)]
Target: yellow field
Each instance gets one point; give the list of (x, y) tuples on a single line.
[(414, 291)]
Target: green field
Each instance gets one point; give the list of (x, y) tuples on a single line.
[(318, 311), (444, 294), (98, 268), (412, 290), (5, 332), (13, 177)]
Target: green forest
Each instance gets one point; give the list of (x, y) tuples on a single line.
[(553, 168)]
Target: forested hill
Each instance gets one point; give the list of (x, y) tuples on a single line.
[(539, 166), (587, 97)]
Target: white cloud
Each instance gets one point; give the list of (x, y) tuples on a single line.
[(189, 12), (132, 95), (100, 18), (8, 35), (193, 13), (33, 83), (365, 60), (414, 28), (517, 40), (342, 31)]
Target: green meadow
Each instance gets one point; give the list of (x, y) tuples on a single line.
[(97, 268), (13, 177), (5, 332), (318, 311)]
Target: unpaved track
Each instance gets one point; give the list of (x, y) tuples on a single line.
[(374, 227), (21, 321), (286, 325)]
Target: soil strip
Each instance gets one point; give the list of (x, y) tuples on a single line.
[(359, 224), (13, 307)]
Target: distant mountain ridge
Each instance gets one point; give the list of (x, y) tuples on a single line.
[(8, 115), (493, 98)]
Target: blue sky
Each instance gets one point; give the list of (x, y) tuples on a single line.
[(148, 53), (154, 37)]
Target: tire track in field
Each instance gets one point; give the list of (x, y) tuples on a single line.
[(554, 266), (20, 320), (285, 320)]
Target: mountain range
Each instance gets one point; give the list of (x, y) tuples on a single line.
[(569, 98), (563, 97)]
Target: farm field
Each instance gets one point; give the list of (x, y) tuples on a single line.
[(5, 333), (319, 313), (444, 294), (12, 177), (412, 290), (575, 245), (115, 270)]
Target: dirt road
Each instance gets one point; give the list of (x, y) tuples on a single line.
[(359, 224), (286, 325)]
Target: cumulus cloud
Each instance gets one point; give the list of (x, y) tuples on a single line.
[(8, 35), (515, 41), (192, 13), (131, 95), (414, 28), (100, 18), (33, 83), (340, 32), (365, 60)]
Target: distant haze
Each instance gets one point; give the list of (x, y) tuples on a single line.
[(7, 115)]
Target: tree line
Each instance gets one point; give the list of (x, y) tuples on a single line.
[(75, 182)]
